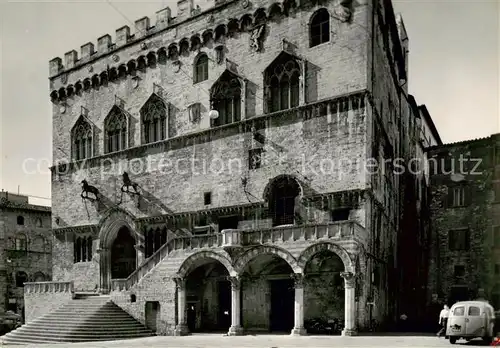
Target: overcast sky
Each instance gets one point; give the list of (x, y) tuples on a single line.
[(454, 69)]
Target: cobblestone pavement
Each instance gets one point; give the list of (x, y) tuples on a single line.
[(270, 341)]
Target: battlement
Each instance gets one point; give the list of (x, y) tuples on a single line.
[(185, 10)]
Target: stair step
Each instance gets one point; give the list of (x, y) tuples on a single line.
[(79, 335), (85, 319), (94, 329), (85, 325)]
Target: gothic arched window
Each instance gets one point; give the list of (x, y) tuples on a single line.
[(116, 131), (154, 120), (201, 68), (82, 140), (320, 28), (226, 99), (282, 81)]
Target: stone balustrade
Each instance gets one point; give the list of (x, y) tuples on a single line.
[(48, 287), (41, 298), (240, 238)]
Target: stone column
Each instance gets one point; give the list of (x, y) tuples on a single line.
[(298, 327), (104, 272), (235, 329), (349, 304), (139, 248), (181, 329)]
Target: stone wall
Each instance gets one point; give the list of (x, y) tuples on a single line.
[(46, 297), (479, 215)]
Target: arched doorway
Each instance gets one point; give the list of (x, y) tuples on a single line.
[(268, 295), (281, 198), (324, 294), (208, 297), (123, 254)]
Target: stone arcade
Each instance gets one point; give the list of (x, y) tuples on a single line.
[(297, 95)]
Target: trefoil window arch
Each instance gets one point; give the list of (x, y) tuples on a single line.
[(225, 97), (201, 68), (319, 31), (282, 82), (82, 142), (154, 120), (116, 130)]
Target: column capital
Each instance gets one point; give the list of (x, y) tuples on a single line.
[(180, 283), (235, 282), (298, 279), (349, 279)]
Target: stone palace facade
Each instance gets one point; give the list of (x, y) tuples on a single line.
[(221, 157)]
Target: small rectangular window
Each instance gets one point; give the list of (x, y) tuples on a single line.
[(207, 198), (459, 271)]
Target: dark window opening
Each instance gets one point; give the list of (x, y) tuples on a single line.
[(228, 222), (340, 214), (132, 298), (207, 198), (459, 271), (201, 69), (282, 201), (320, 28), (20, 220), (21, 278)]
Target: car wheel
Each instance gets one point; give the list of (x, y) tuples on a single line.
[(453, 340)]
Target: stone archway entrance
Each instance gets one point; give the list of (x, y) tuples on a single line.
[(324, 294), (123, 254), (118, 257), (330, 282), (208, 298), (268, 295), (207, 295)]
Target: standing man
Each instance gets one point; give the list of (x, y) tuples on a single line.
[(443, 319)]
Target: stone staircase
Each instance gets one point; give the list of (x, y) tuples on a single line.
[(83, 319)]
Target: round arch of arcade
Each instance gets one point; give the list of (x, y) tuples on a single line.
[(248, 256), (312, 250), (202, 256)]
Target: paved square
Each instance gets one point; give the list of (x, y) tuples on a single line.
[(268, 341)]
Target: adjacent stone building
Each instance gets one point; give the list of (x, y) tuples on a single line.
[(414, 235), (25, 248), (231, 167), (465, 220)]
